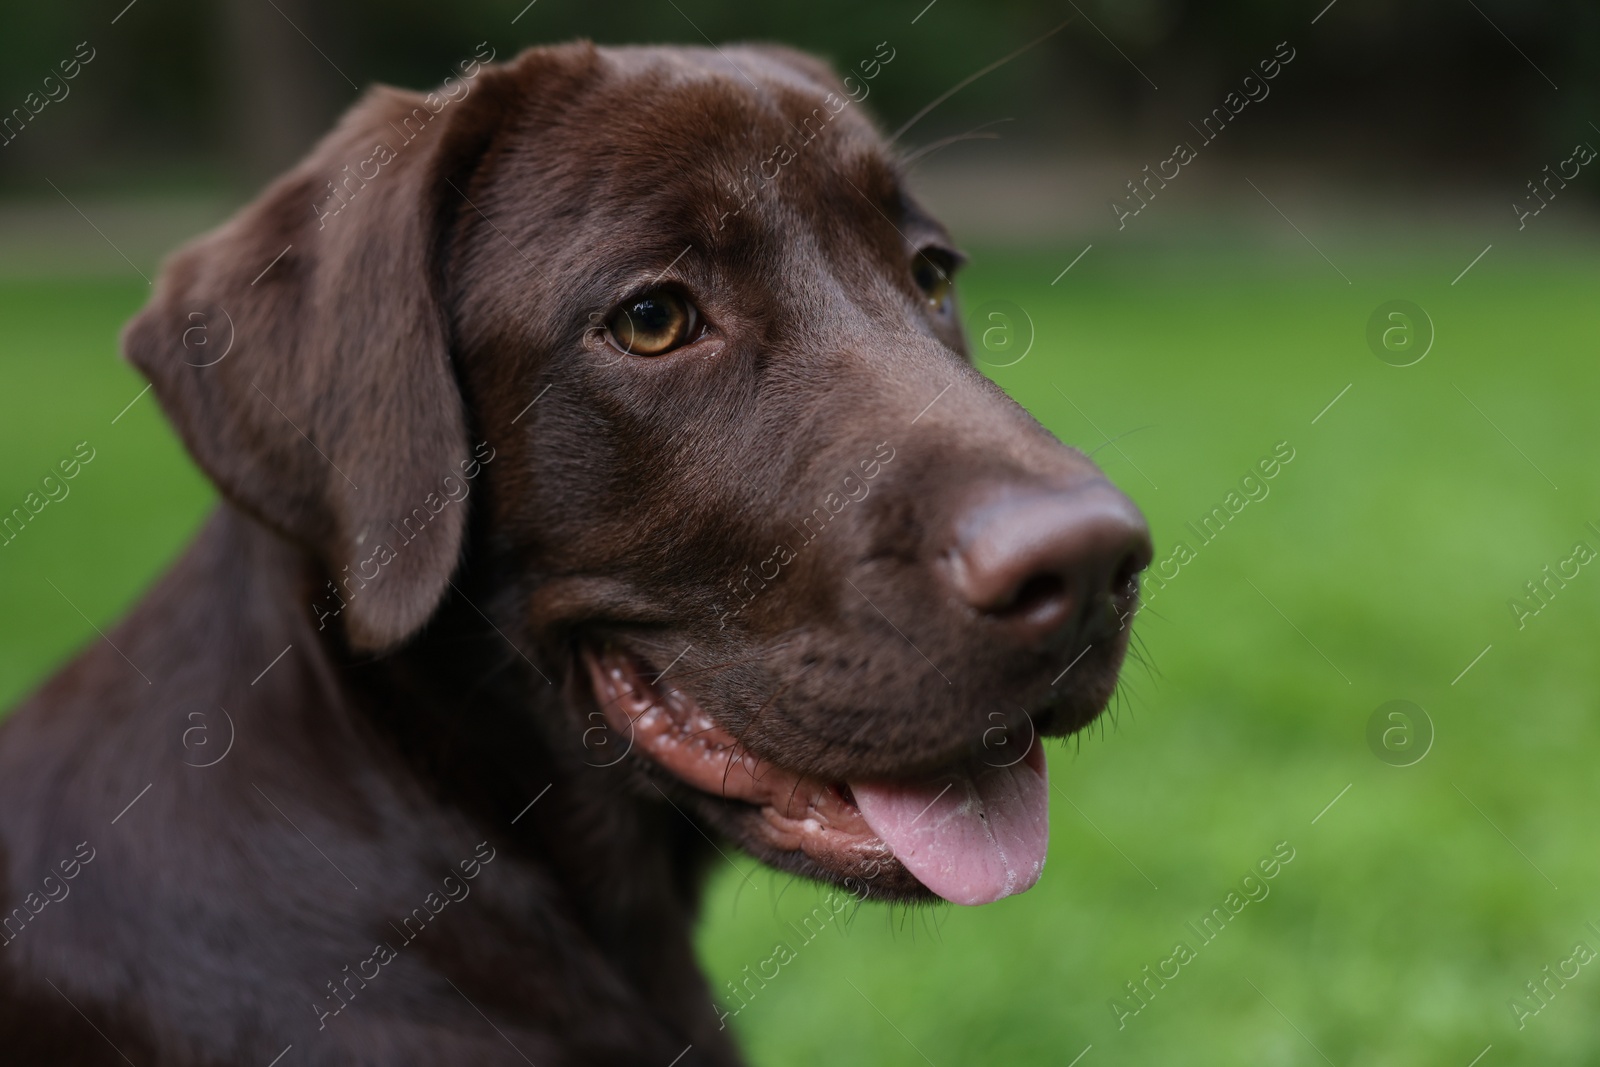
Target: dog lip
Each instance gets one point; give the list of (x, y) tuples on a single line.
[(796, 812)]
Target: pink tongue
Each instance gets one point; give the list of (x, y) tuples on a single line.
[(972, 836)]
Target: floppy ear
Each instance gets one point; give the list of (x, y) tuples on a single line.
[(301, 351)]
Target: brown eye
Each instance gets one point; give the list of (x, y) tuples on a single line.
[(652, 324), (932, 269)]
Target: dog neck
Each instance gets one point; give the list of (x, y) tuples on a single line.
[(492, 739)]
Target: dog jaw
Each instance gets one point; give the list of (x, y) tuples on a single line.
[(971, 835)]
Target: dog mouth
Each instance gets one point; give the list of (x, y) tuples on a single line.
[(972, 834)]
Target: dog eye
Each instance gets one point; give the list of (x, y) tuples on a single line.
[(932, 269), (652, 324)]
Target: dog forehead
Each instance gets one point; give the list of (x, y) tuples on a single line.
[(732, 117), (615, 163)]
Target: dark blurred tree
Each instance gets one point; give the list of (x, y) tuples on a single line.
[(277, 99), (185, 91)]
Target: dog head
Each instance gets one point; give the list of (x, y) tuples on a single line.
[(802, 569)]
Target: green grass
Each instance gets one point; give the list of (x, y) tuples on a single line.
[(1379, 566), (128, 512)]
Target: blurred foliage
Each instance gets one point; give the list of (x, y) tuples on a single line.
[(183, 91)]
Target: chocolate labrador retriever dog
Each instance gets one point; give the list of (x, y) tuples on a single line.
[(604, 481)]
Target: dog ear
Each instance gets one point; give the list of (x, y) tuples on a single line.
[(302, 352)]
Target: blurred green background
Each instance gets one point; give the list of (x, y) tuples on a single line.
[(1382, 565)]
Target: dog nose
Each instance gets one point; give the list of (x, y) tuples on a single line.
[(1051, 565)]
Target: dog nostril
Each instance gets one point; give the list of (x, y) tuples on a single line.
[(1037, 592), (1125, 582)]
